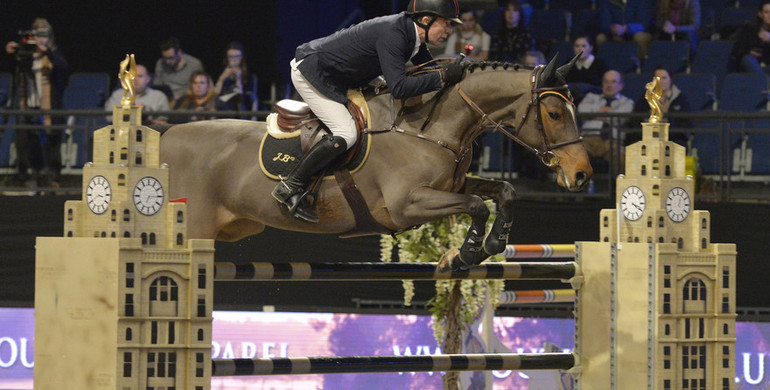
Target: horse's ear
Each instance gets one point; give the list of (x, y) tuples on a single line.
[(564, 69), (548, 73)]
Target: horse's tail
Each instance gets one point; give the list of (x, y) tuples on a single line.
[(161, 127)]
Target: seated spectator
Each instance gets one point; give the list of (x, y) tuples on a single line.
[(625, 21), (150, 99), (673, 100), (533, 59), (200, 96), (234, 85), (175, 67), (513, 39), (598, 131), (679, 20), (752, 42), (587, 74), (469, 38)]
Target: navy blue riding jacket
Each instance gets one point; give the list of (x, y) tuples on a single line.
[(352, 57)]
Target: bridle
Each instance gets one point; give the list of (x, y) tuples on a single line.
[(545, 151)]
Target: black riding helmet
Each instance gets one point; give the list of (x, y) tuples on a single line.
[(447, 9)]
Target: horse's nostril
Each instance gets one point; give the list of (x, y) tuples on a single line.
[(581, 177)]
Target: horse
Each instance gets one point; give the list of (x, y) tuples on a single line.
[(416, 169)]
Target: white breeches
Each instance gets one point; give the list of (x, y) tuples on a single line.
[(333, 114)]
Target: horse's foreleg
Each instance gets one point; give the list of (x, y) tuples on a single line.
[(504, 195), (427, 204)]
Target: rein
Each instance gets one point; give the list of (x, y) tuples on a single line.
[(545, 153)]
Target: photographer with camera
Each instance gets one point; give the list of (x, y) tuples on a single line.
[(38, 84)]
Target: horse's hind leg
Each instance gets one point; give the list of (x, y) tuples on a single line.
[(504, 195)]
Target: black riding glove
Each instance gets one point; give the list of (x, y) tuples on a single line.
[(452, 73)]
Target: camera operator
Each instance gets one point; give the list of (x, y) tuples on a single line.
[(39, 80)]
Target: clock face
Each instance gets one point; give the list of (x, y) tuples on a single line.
[(148, 195), (678, 204), (98, 194), (632, 203)]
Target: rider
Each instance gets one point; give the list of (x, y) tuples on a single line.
[(324, 69)]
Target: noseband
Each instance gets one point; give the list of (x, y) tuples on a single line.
[(545, 152)]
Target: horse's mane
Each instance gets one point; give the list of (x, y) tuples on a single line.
[(494, 65)]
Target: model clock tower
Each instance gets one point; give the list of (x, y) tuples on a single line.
[(666, 293), (124, 300)]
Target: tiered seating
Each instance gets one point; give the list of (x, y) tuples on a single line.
[(621, 56), (674, 55), (84, 91)]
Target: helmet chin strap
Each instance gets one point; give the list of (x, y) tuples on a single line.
[(426, 27)]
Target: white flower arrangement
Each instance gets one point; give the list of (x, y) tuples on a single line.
[(427, 244)]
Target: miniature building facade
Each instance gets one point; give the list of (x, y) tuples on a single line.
[(668, 292), (124, 300)]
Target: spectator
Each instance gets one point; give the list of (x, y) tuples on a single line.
[(469, 39), (673, 100), (234, 86), (175, 67), (626, 20), (200, 96), (41, 71), (513, 39), (150, 99), (597, 131), (752, 46), (587, 74), (533, 58), (679, 20)]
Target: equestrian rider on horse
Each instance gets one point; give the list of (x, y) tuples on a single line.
[(324, 69)]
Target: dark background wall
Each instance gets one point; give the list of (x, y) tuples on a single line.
[(96, 36)]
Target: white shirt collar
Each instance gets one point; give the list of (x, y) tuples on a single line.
[(417, 42), (587, 64)]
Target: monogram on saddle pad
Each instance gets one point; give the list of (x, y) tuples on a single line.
[(293, 129)]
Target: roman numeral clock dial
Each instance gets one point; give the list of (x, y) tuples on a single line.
[(98, 194), (148, 195), (632, 203), (678, 204)]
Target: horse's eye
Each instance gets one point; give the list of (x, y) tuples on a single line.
[(555, 116)]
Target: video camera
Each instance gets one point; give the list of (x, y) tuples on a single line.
[(28, 44)]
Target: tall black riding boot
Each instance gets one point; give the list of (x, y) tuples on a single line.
[(292, 190)]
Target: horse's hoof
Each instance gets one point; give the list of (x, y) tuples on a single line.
[(446, 262)]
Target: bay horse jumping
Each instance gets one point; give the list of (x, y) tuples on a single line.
[(412, 175)]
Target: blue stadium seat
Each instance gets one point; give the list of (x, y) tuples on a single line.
[(744, 92), (492, 152), (713, 57), (620, 56), (5, 88), (706, 142), (549, 25), (733, 18), (674, 55), (758, 148), (634, 85), (699, 89), (84, 91)]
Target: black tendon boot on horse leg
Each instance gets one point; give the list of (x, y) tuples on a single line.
[(292, 190)]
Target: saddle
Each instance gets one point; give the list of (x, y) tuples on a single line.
[(294, 119), (293, 115)]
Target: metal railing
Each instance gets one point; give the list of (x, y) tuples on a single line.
[(733, 149)]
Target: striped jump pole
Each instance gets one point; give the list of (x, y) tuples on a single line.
[(381, 364), (388, 271), (537, 296), (535, 251)]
